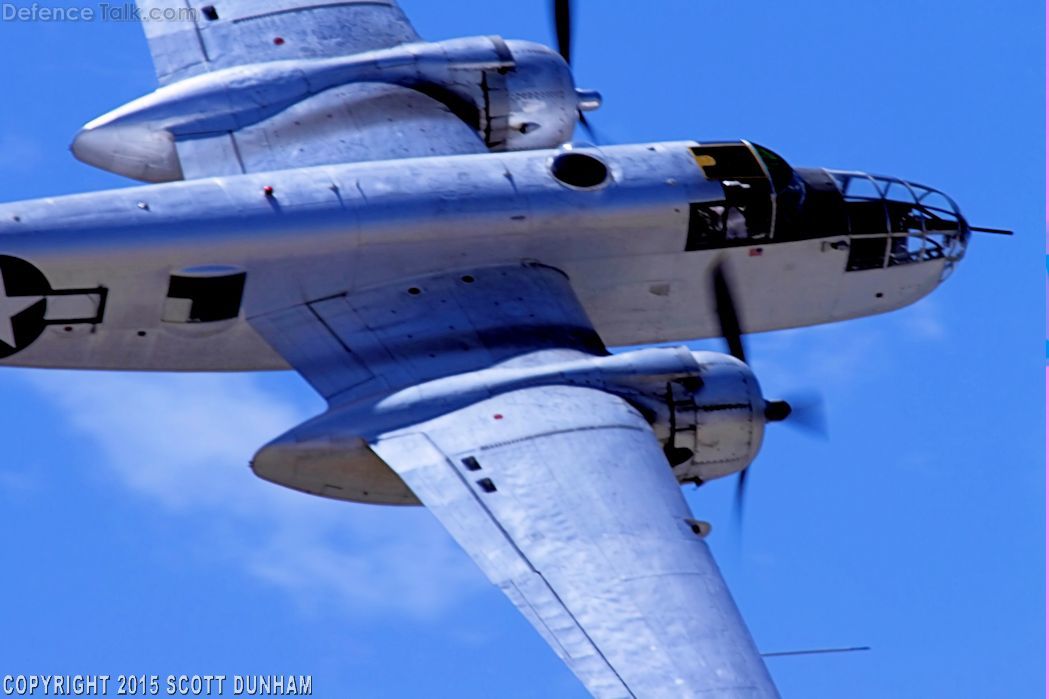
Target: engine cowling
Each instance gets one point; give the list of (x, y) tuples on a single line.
[(542, 104), (715, 421)]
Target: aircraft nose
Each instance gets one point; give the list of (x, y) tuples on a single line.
[(921, 223)]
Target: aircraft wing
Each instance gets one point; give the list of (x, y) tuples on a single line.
[(322, 124), (567, 503), (195, 36), (560, 492)]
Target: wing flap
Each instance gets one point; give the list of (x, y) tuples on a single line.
[(416, 330)]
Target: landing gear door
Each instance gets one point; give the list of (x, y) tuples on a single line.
[(746, 213)]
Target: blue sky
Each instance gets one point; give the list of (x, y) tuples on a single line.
[(135, 539)]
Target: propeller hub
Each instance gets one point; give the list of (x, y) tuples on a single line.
[(777, 410), (588, 100)]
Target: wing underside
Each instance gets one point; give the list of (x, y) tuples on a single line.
[(189, 37), (564, 499), (558, 488)]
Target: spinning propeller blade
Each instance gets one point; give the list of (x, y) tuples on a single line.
[(563, 13), (563, 28), (804, 412), (808, 414), (732, 333), (590, 131), (740, 499), (728, 315)]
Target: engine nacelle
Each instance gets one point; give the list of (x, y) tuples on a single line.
[(715, 422), (516, 95)]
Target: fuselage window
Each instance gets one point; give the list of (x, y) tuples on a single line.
[(205, 294)]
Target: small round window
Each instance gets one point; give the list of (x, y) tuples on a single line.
[(579, 170)]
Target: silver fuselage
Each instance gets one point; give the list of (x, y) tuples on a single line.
[(329, 230)]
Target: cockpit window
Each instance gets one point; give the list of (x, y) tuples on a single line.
[(745, 212), (763, 196), (887, 221), (728, 161), (781, 173)]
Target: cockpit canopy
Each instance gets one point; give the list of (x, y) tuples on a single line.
[(889, 221), (915, 222)]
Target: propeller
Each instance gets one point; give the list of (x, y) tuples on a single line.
[(563, 12), (805, 412), (591, 132), (732, 332), (563, 28), (740, 499), (808, 414), (728, 315)]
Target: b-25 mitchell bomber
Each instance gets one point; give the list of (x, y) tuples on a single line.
[(410, 227)]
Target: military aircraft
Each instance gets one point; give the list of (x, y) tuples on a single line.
[(410, 227)]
